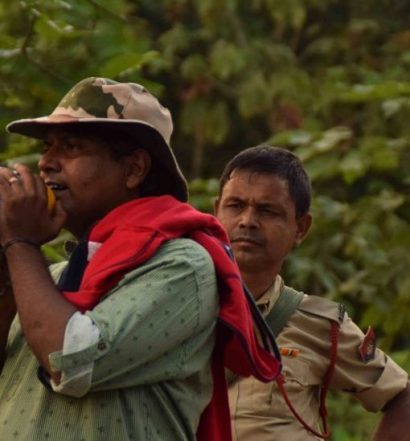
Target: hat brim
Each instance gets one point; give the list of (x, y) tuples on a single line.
[(159, 149)]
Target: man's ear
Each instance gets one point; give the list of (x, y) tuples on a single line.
[(138, 166), (303, 227)]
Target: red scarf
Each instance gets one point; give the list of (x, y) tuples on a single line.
[(128, 236)]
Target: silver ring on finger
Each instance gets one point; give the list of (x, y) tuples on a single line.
[(13, 179)]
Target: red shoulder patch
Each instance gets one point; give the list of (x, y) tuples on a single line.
[(367, 348)]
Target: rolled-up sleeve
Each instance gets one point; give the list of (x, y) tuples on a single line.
[(81, 336), (157, 324), (375, 382), (391, 382)]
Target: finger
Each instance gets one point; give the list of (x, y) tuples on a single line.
[(6, 172), (26, 180), (13, 179), (9, 174), (15, 176), (22, 172), (5, 188), (43, 193)]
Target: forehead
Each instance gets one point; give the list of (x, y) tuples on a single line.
[(245, 183)]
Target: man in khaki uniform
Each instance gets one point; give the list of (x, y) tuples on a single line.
[(264, 205)]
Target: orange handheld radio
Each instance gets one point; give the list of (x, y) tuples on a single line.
[(51, 200), (51, 197)]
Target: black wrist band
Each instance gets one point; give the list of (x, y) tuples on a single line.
[(11, 242)]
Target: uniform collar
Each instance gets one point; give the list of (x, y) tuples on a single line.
[(269, 297)]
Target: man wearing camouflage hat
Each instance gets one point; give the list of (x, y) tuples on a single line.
[(116, 344)]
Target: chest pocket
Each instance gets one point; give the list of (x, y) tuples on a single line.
[(255, 397), (298, 371)]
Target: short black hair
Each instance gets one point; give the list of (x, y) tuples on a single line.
[(264, 158)]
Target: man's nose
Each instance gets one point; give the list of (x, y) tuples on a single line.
[(49, 160), (249, 218)]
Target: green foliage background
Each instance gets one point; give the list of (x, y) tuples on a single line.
[(327, 79)]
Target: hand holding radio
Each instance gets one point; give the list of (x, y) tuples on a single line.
[(28, 208)]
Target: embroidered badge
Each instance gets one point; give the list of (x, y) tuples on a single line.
[(367, 348)]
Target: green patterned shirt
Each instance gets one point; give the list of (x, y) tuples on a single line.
[(151, 374)]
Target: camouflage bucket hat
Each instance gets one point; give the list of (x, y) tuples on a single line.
[(126, 107)]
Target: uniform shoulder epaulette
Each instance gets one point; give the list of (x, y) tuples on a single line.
[(322, 307)]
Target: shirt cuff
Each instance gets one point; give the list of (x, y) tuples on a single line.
[(392, 381), (81, 336)]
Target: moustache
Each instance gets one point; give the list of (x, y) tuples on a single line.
[(253, 238)]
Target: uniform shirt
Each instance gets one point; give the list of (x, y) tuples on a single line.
[(258, 410), (151, 374)]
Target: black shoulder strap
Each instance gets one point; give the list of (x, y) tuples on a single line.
[(72, 274), (288, 300)]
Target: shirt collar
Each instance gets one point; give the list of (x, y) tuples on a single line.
[(269, 297)]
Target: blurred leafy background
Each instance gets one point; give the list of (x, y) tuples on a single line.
[(327, 79)]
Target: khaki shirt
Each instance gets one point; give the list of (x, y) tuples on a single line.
[(258, 410)]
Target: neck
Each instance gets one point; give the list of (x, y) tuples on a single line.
[(258, 284)]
